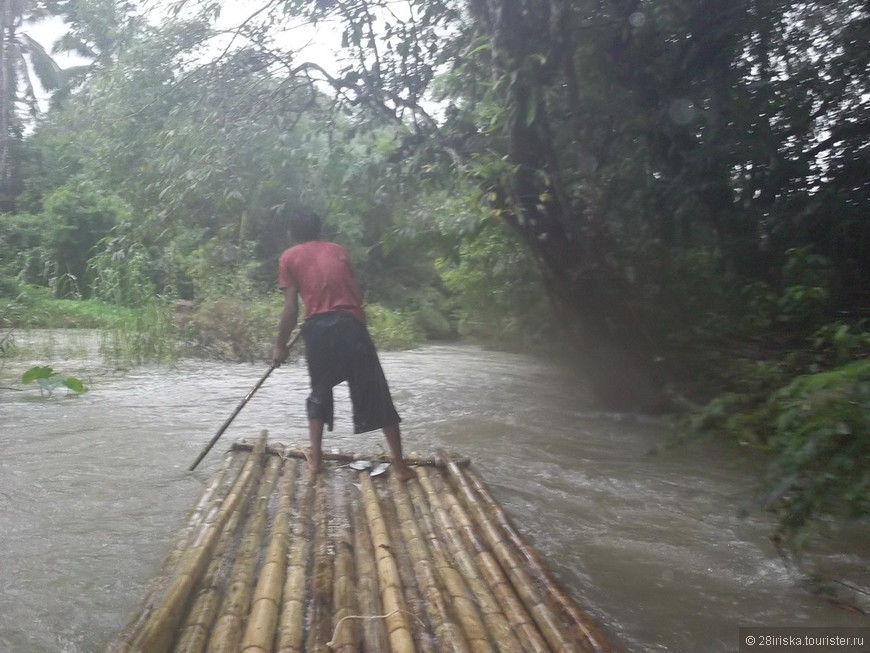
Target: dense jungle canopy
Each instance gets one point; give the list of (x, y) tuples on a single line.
[(674, 191)]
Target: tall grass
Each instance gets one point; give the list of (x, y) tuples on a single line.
[(146, 335), (230, 328)]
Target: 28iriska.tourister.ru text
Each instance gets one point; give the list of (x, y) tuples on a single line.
[(803, 640)]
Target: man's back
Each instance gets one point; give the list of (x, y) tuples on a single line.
[(322, 274)]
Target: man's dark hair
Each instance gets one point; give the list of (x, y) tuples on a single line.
[(304, 226)]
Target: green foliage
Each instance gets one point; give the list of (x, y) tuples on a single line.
[(393, 329), (78, 217), (820, 427), (743, 412), (22, 251), (497, 290), (810, 411), (36, 307), (838, 343), (7, 341), (434, 314), (799, 391), (123, 272), (220, 269), (48, 380)]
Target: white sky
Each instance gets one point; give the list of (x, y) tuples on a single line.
[(314, 43)]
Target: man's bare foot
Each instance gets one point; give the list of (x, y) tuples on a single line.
[(404, 473), (314, 460)]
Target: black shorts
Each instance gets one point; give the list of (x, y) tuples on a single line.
[(338, 348)]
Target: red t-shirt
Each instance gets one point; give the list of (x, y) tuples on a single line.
[(322, 274)]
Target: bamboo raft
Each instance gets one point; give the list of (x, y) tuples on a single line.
[(271, 562)]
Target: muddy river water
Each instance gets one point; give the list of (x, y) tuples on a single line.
[(92, 488)]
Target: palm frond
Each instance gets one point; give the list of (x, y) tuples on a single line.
[(74, 73), (71, 43), (44, 67), (27, 95)]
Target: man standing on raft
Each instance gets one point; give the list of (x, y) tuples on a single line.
[(337, 343)]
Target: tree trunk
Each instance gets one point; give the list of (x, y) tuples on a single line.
[(7, 99), (570, 242)]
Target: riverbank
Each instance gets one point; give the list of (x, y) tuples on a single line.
[(226, 329)]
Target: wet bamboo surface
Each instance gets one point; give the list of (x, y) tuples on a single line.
[(271, 562)]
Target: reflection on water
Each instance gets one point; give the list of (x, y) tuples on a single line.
[(93, 487)]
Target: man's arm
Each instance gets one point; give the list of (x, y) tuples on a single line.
[(289, 315)]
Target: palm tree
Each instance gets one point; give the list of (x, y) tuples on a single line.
[(21, 59)]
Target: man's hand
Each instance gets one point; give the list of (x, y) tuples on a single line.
[(286, 322), (279, 355)]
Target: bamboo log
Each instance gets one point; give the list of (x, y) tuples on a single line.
[(516, 555), (508, 629), (319, 619), (462, 600), (334, 456), (260, 630), (214, 492), (449, 635), (157, 632), (537, 613), (210, 495), (345, 633), (515, 610), (395, 609), (418, 621), (194, 633), (226, 633), (291, 623), (374, 633), (345, 621)]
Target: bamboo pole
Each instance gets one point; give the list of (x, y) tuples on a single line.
[(157, 632), (462, 600), (213, 494), (374, 633), (291, 622), (518, 613), (395, 609), (536, 605), (226, 633), (345, 618), (260, 630), (209, 494), (507, 629), (213, 490), (319, 615), (448, 634), (517, 555), (345, 633), (418, 621), (211, 510)]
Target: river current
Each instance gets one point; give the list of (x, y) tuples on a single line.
[(92, 488)]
